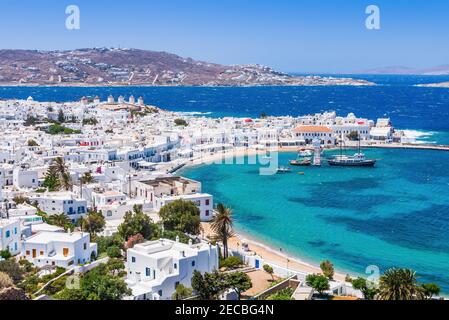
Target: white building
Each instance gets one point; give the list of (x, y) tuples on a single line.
[(10, 236), (61, 202), (23, 178), (310, 132), (155, 268), (203, 201), (58, 249)]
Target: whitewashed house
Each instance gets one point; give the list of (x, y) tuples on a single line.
[(10, 236), (58, 249), (61, 202), (310, 132), (23, 178), (203, 201), (155, 268)]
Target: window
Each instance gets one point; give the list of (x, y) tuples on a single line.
[(28, 252), (41, 253), (15, 230), (159, 293), (148, 272), (133, 259), (65, 252), (8, 234), (193, 263), (207, 202), (207, 213), (175, 266), (85, 246)]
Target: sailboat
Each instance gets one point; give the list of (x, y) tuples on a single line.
[(357, 160)]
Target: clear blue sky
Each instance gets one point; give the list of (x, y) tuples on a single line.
[(290, 35)]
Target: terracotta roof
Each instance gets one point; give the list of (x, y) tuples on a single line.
[(312, 129)]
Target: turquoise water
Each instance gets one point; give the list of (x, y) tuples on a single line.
[(396, 214)]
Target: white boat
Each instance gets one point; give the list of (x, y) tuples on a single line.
[(305, 153)]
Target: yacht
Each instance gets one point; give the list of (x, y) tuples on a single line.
[(357, 160)]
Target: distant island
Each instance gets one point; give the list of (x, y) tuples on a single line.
[(435, 85), (134, 67), (433, 71)]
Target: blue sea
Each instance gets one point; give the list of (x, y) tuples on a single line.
[(396, 214)]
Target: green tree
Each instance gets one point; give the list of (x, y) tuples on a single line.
[(32, 143), (87, 178), (114, 252), (181, 122), (209, 286), (60, 220), (58, 176), (318, 282), (368, 289), (353, 136), (136, 222), (115, 266), (99, 284), (61, 117), (328, 269), (399, 284), (5, 254), (93, 223), (12, 269), (181, 216), (30, 121), (182, 292), (430, 290), (90, 121), (284, 294), (231, 262), (238, 281), (103, 243), (222, 227), (70, 294), (269, 269)]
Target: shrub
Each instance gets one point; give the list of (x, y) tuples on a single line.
[(114, 252), (232, 262)]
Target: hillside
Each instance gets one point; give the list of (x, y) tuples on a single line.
[(102, 66)]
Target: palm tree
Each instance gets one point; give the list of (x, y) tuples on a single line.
[(59, 169), (87, 178), (61, 220), (399, 284), (222, 226)]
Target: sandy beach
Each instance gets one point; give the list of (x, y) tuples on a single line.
[(270, 254)]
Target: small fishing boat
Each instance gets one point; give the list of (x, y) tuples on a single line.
[(301, 162), (284, 170)]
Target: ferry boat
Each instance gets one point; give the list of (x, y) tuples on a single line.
[(357, 160)]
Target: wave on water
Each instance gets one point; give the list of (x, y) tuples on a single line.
[(196, 113), (419, 136)]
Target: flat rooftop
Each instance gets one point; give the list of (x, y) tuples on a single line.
[(47, 237), (166, 180)]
